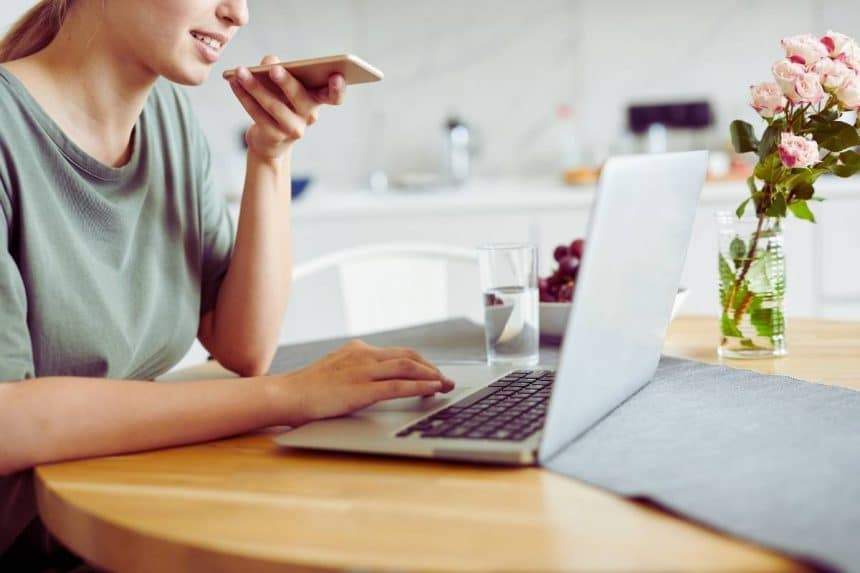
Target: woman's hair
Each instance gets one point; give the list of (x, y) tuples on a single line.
[(35, 30)]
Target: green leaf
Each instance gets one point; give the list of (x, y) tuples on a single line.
[(836, 136), (844, 170), (807, 176), (777, 208), (757, 200), (770, 169), (769, 140), (729, 328), (727, 279), (740, 296), (751, 185), (825, 116), (768, 322), (851, 158), (743, 136), (801, 211), (742, 207), (738, 250), (802, 191), (829, 161), (850, 164), (760, 272)]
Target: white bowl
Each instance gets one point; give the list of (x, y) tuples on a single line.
[(553, 315)]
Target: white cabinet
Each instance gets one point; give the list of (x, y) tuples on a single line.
[(823, 274)]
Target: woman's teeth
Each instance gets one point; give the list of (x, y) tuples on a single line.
[(211, 42)]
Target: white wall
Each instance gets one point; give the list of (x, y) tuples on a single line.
[(10, 10), (505, 67)]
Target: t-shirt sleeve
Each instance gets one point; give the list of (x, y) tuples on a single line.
[(218, 232), (16, 351)]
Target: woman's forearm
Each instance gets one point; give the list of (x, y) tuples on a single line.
[(254, 294), (57, 418)]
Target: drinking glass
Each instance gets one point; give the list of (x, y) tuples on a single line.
[(510, 294)]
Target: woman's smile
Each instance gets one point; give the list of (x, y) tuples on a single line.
[(209, 44)]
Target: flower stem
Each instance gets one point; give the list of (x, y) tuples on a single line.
[(746, 267)]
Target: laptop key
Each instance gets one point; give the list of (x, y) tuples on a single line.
[(476, 397)]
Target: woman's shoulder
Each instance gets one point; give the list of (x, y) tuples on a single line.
[(10, 98)]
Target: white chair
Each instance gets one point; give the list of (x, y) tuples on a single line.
[(393, 285), (380, 286)]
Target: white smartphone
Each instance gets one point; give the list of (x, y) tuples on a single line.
[(315, 72)]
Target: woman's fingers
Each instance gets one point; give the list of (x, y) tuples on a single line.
[(334, 93), (299, 98), (257, 113), (395, 354), (405, 368), (289, 122), (389, 389)]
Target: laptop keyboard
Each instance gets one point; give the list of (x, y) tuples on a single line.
[(511, 408)]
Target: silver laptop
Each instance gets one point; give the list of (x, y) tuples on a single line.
[(637, 238)]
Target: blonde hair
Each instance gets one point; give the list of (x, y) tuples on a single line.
[(34, 30)]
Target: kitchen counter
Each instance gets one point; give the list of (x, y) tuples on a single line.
[(321, 201)]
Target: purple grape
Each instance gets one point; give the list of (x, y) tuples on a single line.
[(577, 247), (560, 252), (569, 266), (565, 292)]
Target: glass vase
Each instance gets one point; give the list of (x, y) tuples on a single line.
[(752, 286)]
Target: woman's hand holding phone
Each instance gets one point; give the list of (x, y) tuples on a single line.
[(282, 108)]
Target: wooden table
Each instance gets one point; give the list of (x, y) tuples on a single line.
[(242, 505)]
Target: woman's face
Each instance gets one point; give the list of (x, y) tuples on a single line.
[(178, 39)]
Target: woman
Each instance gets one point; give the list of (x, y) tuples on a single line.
[(115, 251)]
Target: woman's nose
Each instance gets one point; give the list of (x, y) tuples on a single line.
[(234, 12)]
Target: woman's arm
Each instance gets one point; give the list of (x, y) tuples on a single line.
[(242, 331), (60, 418), (57, 418)]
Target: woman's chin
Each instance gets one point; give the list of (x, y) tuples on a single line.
[(190, 75)]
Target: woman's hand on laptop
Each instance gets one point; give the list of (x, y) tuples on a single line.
[(355, 376)]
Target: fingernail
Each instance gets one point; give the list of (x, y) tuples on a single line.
[(243, 74), (437, 385), (278, 73)]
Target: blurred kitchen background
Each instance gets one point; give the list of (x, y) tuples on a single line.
[(540, 89), (505, 69)]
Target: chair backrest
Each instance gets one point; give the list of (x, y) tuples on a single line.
[(392, 285)]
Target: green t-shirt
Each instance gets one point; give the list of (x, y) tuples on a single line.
[(104, 272)]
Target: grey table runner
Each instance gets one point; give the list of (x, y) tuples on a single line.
[(769, 458)]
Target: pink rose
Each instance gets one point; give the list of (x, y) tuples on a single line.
[(796, 151), (807, 89), (805, 49), (840, 46), (767, 99), (849, 94), (785, 72), (832, 73)]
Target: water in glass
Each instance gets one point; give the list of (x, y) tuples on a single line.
[(511, 320)]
